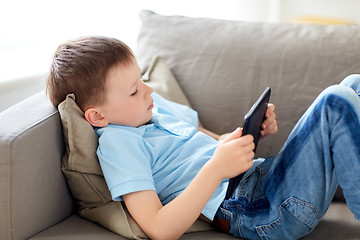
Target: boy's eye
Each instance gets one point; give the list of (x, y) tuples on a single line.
[(134, 93)]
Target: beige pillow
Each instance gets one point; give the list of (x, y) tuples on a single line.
[(163, 82), (82, 170)]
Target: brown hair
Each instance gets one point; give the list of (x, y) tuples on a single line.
[(80, 66)]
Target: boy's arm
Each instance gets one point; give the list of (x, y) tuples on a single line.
[(172, 220), (233, 156), (208, 132)]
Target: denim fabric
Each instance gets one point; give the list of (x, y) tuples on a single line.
[(286, 195)]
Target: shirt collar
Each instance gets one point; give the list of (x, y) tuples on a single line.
[(170, 123)]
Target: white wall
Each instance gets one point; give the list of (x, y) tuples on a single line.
[(342, 9), (12, 92), (259, 10), (31, 30)]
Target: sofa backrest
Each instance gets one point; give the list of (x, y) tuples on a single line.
[(33, 190), (223, 66)]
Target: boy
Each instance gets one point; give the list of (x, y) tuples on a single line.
[(169, 174)]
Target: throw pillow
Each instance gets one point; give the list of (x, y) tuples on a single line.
[(161, 79), (82, 169)]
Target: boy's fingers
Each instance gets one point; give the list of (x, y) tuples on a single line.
[(271, 115), (234, 135), (269, 128), (271, 107), (268, 122), (247, 140), (250, 147)]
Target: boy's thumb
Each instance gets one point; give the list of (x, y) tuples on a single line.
[(234, 135)]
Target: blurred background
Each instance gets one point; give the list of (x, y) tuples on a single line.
[(30, 31)]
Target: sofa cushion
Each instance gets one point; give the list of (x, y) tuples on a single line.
[(338, 223), (76, 228), (158, 76), (82, 169), (33, 191), (223, 66)]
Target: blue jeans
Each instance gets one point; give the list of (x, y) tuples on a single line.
[(285, 196)]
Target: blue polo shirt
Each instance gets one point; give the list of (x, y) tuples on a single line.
[(163, 155)]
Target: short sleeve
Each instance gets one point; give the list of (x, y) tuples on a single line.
[(125, 162)]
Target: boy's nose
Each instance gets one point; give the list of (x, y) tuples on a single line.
[(150, 89)]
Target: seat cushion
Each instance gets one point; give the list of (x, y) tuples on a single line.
[(338, 223), (77, 228)]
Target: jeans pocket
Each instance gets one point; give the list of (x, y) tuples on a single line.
[(296, 219), (224, 213)]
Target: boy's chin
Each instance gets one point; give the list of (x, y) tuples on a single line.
[(146, 121), (149, 120)]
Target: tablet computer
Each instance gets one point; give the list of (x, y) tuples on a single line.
[(252, 125), (256, 116)]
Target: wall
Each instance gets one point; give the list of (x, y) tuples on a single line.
[(287, 10), (343, 9), (35, 32), (259, 10), (31, 33), (12, 92)]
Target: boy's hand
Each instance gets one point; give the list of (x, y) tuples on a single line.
[(269, 126), (234, 155)]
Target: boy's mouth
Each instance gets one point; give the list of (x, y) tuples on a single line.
[(151, 106)]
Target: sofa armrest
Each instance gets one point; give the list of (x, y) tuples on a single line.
[(34, 194)]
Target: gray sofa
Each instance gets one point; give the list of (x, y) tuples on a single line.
[(222, 67)]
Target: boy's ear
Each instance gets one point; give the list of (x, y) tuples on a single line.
[(95, 118)]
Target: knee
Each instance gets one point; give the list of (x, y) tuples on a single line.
[(336, 92), (352, 81)]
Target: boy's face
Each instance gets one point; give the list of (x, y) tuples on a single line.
[(128, 99)]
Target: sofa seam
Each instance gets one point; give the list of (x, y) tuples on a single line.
[(7, 155)]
